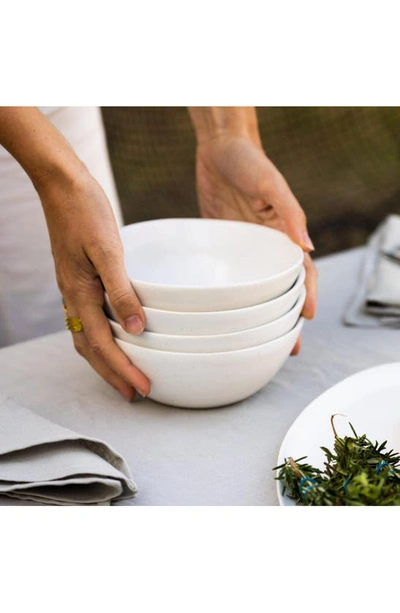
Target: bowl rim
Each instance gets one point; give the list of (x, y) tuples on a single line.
[(292, 290), (219, 288), (153, 336), (201, 356)]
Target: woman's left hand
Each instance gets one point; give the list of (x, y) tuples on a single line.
[(236, 180)]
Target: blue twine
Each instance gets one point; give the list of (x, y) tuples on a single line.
[(381, 465), (346, 483), (312, 483)]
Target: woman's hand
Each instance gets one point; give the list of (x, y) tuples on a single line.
[(85, 243), (236, 180), (88, 258)]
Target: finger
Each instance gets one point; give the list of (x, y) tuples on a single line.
[(100, 339), (256, 175), (125, 304), (297, 347), (276, 192), (246, 166), (310, 304), (83, 348)]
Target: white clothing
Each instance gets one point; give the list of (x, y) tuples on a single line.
[(30, 301)]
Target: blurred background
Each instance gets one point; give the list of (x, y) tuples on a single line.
[(342, 163)]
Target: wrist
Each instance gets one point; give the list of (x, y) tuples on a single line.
[(61, 172), (213, 122)]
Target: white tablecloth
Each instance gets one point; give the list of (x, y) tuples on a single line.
[(220, 456)]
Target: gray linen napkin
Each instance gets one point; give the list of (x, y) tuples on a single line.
[(376, 301), (41, 461)]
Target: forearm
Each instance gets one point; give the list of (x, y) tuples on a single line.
[(36, 144), (212, 121)]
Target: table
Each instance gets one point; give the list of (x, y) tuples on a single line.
[(220, 456)]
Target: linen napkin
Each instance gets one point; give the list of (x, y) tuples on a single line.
[(41, 461), (376, 301)]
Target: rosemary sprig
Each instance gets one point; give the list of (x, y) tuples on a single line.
[(357, 472)]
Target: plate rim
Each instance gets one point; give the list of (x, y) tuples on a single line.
[(311, 407)]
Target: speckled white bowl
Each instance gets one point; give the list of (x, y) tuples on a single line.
[(219, 322), (206, 380), (208, 264), (216, 342)]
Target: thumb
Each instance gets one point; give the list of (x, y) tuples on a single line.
[(125, 303), (279, 195), (296, 226)]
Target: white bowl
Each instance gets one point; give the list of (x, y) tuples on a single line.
[(219, 322), (208, 264), (217, 342), (205, 380)]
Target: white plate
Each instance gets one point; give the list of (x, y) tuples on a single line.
[(370, 400)]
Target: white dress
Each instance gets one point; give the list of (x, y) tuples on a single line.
[(30, 301)]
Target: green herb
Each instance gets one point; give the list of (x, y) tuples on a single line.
[(357, 473)]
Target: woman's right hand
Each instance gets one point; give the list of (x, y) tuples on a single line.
[(85, 242), (88, 256)]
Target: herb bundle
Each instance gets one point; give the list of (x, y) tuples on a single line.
[(357, 473)]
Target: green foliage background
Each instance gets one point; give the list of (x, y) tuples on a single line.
[(342, 163)]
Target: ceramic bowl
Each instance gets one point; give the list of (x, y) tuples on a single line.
[(208, 264), (219, 322), (206, 380), (216, 342)]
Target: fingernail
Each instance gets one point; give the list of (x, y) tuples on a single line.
[(142, 393), (307, 242), (134, 324)]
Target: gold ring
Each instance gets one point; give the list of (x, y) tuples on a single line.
[(73, 324)]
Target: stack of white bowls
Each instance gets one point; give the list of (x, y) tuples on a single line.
[(222, 301)]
